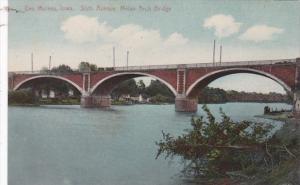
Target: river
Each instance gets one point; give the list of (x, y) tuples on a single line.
[(67, 145)]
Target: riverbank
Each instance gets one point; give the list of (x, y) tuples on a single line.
[(145, 103), (288, 171), (24, 105), (75, 102), (282, 116)]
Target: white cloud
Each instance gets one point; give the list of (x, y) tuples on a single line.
[(176, 39), (224, 25), (82, 28), (145, 45), (134, 36), (260, 33)]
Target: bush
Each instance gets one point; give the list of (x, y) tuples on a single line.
[(225, 148), (21, 97), (161, 99)]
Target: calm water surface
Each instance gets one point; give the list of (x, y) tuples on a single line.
[(67, 145)]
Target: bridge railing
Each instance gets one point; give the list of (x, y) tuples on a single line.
[(41, 72), (175, 66), (201, 65)]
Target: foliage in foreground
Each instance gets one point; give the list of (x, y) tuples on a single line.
[(21, 97), (226, 148)]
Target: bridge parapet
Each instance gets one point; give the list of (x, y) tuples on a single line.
[(176, 66), (208, 65)]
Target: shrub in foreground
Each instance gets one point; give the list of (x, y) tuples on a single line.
[(226, 148)]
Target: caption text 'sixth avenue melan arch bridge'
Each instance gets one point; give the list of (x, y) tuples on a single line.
[(182, 79)]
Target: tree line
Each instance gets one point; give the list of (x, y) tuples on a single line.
[(217, 95), (156, 90), (83, 66)]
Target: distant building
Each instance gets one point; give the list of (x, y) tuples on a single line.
[(141, 99), (71, 92), (44, 94), (51, 94), (124, 97), (127, 97)]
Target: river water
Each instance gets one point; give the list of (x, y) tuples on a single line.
[(67, 145)]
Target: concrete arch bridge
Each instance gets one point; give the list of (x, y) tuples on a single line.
[(182, 79)]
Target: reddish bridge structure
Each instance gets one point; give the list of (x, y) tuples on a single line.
[(182, 79)]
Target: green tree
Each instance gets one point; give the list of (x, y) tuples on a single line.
[(212, 148), (157, 90), (160, 98), (62, 69), (93, 67), (212, 95), (84, 66), (126, 87), (21, 97), (141, 87), (156, 87)]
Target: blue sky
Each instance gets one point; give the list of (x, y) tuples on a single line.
[(155, 32)]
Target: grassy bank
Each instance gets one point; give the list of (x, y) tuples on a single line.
[(63, 101), (25, 105)]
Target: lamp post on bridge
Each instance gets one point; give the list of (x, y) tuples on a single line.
[(127, 59), (114, 62), (31, 62), (214, 49), (49, 62), (220, 54)]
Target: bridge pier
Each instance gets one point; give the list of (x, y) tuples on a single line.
[(296, 105), (92, 101), (185, 104)]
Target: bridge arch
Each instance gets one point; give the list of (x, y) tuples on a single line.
[(208, 78), (48, 76), (130, 75)]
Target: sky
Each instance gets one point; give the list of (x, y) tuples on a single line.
[(155, 32)]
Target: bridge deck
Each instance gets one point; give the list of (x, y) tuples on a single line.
[(176, 66)]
